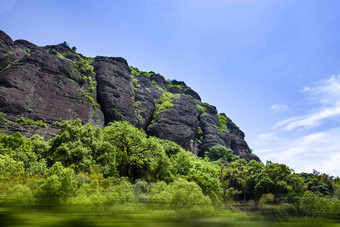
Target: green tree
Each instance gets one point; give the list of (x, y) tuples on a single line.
[(137, 156), (180, 194), (58, 185), (221, 152)]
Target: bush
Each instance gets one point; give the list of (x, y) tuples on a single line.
[(266, 199), (179, 194), (201, 109), (57, 186), (26, 121), (221, 152), (164, 103), (280, 211), (10, 168), (222, 122), (2, 117)]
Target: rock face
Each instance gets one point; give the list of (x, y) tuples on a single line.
[(178, 124), (54, 83), (38, 85)]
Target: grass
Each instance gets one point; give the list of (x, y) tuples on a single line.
[(132, 215)]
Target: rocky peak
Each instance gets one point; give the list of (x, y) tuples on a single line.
[(53, 83)]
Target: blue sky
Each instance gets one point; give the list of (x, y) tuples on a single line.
[(271, 66)]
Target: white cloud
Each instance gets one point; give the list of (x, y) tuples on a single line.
[(309, 120), (278, 107), (325, 94), (305, 150), (326, 91), (320, 151)]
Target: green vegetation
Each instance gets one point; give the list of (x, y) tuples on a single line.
[(221, 153), (83, 67), (119, 170), (26, 121), (84, 78), (23, 121), (199, 134), (164, 103), (54, 52), (222, 122), (206, 104), (201, 109), (137, 72), (64, 44), (155, 85), (176, 83), (3, 117), (135, 82)]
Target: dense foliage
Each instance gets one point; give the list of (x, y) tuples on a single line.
[(86, 168)]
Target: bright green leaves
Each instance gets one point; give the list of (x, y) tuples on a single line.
[(164, 103), (10, 168), (26, 121), (82, 146), (137, 155), (58, 184), (201, 109), (222, 122), (178, 195), (201, 171), (28, 151), (137, 72), (220, 152)]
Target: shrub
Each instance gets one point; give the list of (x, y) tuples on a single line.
[(26, 121), (178, 195), (222, 122), (2, 117), (201, 109), (164, 103), (266, 199), (220, 152)]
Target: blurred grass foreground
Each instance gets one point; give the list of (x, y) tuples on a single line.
[(134, 215)]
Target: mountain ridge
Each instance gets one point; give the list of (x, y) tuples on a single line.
[(53, 83)]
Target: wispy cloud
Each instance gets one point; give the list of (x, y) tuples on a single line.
[(320, 151), (310, 120), (325, 94), (278, 107), (305, 150)]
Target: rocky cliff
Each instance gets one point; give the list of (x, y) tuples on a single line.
[(40, 86)]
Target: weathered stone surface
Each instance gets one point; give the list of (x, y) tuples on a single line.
[(42, 86), (62, 49), (211, 136), (248, 157), (159, 80), (6, 43), (144, 100), (238, 144), (178, 124), (115, 89), (192, 93), (175, 90)]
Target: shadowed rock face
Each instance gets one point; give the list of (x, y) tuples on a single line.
[(115, 92), (41, 86), (54, 83), (178, 124)]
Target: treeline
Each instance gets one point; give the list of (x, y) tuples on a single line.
[(84, 168)]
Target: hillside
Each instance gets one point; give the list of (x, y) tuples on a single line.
[(41, 86)]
